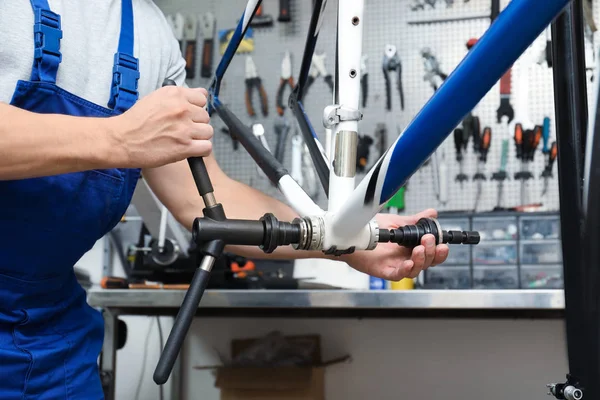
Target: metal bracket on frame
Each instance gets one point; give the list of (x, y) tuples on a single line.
[(334, 114)]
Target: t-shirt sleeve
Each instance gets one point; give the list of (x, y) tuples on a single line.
[(171, 52)]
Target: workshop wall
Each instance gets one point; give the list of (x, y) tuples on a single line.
[(387, 22)]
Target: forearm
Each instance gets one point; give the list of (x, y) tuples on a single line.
[(34, 145)]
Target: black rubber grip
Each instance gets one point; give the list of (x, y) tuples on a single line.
[(234, 231), (263, 157), (181, 326), (201, 176)]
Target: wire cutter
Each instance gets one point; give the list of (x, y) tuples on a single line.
[(285, 80), (391, 62), (317, 67), (254, 81)]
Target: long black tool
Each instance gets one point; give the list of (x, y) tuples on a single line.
[(211, 251)]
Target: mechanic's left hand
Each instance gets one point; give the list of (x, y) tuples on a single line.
[(392, 262)]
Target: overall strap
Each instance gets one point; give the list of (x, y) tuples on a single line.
[(124, 90), (47, 34)]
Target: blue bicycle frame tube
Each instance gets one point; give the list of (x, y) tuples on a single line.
[(506, 39), (232, 47)]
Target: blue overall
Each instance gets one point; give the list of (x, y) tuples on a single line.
[(50, 339)]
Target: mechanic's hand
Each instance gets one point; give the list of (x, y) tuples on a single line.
[(166, 126), (392, 262)]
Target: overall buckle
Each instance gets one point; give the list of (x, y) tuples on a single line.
[(126, 74), (47, 34)]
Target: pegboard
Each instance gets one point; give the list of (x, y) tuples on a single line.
[(387, 22)]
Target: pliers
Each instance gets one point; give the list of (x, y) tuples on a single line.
[(391, 62), (285, 80), (317, 67), (254, 81)]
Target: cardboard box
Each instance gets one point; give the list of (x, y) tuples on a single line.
[(305, 382), (263, 383)]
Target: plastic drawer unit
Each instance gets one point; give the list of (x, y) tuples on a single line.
[(486, 277), (455, 277), (540, 227), (490, 253), (541, 252), (541, 277), (496, 228)]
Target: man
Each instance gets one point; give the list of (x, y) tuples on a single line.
[(73, 140)]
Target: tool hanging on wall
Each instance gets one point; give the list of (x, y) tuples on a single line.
[(545, 56), (208, 24), (483, 147), (190, 36), (253, 82), (286, 79), (284, 11), (433, 73), (261, 20), (391, 63), (259, 133), (526, 142), (317, 68), (363, 150), (501, 175), (460, 144), (282, 130), (177, 23), (547, 173), (364, 79), (234, 142), (381, 139)]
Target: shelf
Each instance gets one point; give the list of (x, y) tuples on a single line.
[(334, 299)]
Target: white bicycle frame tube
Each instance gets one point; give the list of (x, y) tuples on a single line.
[(347, 86)]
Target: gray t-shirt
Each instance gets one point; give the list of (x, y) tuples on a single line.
[(90, 39)]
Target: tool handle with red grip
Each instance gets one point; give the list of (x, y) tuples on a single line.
[(284, 11), (207, 56)]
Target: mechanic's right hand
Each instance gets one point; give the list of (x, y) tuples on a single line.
[(166, 126)]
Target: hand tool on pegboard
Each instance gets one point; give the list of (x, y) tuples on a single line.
[(177, 22), (208, 24), (526, 142), (286, 80), (259, 133), (190, 34), (469, 127), (433, 73), (547, 173), (282, 129), (364, 79), (363, 150), (501, 175), (234, 142), (296, 170), (261, 20), (254, 82), (391, 63), (284, 11), (381, 139), (545, 56), (483, 147), (317, 68)]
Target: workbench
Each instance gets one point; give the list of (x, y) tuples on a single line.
[(315, 303)]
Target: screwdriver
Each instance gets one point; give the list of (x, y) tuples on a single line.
[(484, 146), (460, 144), (549, 163)]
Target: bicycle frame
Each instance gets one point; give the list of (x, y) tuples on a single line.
[(350, 209)]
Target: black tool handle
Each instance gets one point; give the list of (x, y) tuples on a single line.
[(400, 90), (309, 82), (181, 326), (284, 11), (190, 59), (364, 89), (329, 81), (207, 56), (388, 97)]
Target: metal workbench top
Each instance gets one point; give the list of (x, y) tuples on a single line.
[(334, 299)]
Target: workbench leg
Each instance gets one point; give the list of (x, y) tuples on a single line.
[(108, 359)]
